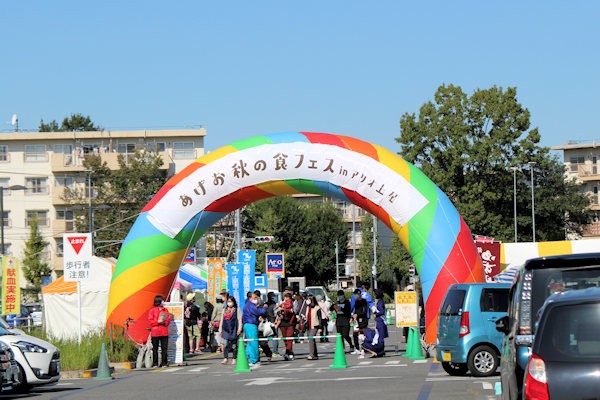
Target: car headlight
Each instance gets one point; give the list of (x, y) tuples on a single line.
[(30, 347)]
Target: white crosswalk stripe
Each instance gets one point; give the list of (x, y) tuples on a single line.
[(365, 363), (392, 362)]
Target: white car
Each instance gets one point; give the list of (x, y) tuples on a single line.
[(35, 311), (39, 361)]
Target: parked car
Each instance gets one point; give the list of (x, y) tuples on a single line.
[(533, 284), (22, 319), (35, 311), (320, 290), (565, 357), (9, 369), (38, 360), (467, 339)]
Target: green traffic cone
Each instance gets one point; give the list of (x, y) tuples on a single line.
[(103, 372), (339, 358), (409, 343), (417, 350), (241, 364)]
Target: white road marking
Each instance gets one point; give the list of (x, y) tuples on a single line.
[(172, 369), (198, 369), (270, 380), (392, 362), (487, 386), (365, 363), (420, 361)]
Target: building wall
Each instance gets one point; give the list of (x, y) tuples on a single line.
[(42, 164)]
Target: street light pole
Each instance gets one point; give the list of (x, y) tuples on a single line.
[(515, 198), (531, 164)]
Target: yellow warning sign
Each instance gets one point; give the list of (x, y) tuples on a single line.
[(406, 308)]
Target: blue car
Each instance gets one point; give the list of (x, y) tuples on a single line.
[(467, 339)]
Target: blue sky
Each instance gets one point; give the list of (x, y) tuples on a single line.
[(243, 68)]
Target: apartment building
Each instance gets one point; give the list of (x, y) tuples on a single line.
[(581, 162), (36, 167)]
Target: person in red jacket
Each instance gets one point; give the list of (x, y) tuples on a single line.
[(159, 318)]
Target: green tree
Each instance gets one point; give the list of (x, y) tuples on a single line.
[(33, 265), (117, 196), (306, 232), (75, 122), (467, 146)]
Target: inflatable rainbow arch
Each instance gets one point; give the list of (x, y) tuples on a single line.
[(367, 175)]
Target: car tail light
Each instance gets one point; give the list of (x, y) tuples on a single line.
[(465, 327), (536, 385)]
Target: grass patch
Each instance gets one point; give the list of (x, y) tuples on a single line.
[(75, 356)]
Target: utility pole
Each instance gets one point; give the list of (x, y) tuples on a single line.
[(374, 270), (238, 231), (354, 241), (337, 266)]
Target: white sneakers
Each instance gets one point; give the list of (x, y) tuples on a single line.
[(355, 352)]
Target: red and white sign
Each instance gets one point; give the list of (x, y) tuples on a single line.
[(77, 255), (490, 257)]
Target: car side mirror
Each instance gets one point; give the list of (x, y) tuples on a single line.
[(502, 325)]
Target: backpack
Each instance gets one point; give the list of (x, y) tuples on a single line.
[(187, 314)]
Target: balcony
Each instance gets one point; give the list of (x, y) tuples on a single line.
[(60, 226), (592, 229), (74, 163), (586, 172)]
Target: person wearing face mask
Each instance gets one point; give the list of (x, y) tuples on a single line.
[(343, 316), (314, 325), (230, 328), (360, 312), (159, 319), (250, 320)]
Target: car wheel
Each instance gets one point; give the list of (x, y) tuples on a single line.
[(454, 368), (22, 387), (483, 361)]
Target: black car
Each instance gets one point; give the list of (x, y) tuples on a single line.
[(565, 358), (9, 369), (537, 280)]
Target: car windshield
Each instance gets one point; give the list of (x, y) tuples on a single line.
[(34, 308), (548, 281), (571, 333)]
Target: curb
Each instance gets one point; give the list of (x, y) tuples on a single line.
[(91, 373)]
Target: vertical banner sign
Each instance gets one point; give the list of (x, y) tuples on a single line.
[(175, 349), (275, 265), (77, 255), (490, 257), (407, 310), (218, 277), (235, 282), (211, 279), (247, 258), (11, 289)]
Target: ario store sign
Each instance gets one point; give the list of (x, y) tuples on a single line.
[(77, 255), (275, 263)]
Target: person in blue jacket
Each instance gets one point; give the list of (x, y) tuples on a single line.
[(379, 311), (372, 342), (250, 320), (364, 293)]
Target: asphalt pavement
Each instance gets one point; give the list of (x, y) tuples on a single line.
[(391, 377)]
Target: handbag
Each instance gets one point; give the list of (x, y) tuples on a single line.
[(301, 326)]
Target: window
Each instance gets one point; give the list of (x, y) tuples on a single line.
[(66, 150), (59, 248), (35, 153), (6, 218), (494, 300), (157, 146), (4, 153), (4, 182), (575, 162), (36, 185), (67, 216), (453, 303), (126, 148), (41, 215), (63, 148), (183, 150), (64, 182)]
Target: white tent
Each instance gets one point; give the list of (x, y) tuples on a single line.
[(61, 312)]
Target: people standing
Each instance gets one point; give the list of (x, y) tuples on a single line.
[(379, 311), (325, 314), (159, 319), (343, 316), (230, 328), (314, 326), (250, 320), (215, 319), (360, 312), (272, 318), (287, 323), (192, 320)]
